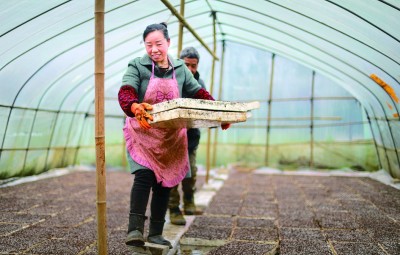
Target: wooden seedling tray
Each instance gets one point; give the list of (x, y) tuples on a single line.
[(198, 113)]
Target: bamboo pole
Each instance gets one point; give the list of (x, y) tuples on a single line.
[(312, 121), (211, 92), (208, 155), (180, 32), (271, 82), (214, 52), (214, 158), (374, 139), (183, 20), (99, 129)]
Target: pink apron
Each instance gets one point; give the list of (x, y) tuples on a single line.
[(162, 150)]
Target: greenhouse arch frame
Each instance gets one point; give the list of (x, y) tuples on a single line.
[(326, 74)]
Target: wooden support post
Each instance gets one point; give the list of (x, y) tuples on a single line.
[(312, 122), (180, 32), (208, 159), (208, 155), (374, 138), (271, 83), (214, 158), (99, 129)]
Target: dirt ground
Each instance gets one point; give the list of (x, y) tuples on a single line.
[(250, 214)]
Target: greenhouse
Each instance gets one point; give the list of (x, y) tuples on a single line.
[(314, 169)]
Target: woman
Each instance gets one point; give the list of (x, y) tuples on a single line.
[(158, 157)]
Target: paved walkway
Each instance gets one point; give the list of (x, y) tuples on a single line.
[(250, 213)]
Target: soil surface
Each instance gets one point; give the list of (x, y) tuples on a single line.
[(250, 214), (281, 214)]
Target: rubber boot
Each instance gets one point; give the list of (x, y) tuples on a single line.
[(189, 206), (155, 233), (135, 230), (176, 217)]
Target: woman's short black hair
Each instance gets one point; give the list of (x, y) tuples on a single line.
[(156, 27)]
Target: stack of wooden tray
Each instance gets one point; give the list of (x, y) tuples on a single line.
[(198, 113)]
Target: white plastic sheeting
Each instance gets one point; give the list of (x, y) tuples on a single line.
[(47, 85)]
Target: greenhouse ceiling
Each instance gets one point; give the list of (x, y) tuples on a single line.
[(47, 47)]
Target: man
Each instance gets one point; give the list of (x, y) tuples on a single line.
[(191, 58)]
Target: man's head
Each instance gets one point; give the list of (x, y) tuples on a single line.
[(191, 58)]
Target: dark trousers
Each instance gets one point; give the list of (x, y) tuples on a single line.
[(145, 180)]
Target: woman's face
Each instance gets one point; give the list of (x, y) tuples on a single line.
[(157, 47)]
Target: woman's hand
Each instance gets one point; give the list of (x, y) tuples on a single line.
[(141, 114)]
